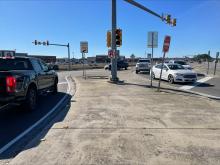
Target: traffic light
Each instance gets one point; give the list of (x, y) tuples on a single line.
[(168, 19), (118, 36), (174, 22), (35, 42), (109, 39)]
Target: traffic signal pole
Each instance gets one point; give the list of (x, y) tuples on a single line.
[(68, 47), (47, 44), (114, 77)]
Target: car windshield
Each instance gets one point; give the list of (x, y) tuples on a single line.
[(15, 64), (180, 62), (175, 67), (144, 60)]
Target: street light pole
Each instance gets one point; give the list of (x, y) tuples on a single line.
[(114, 77)]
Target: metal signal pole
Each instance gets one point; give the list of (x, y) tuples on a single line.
[(114, 77)]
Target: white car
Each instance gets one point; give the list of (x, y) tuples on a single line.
[(174, 73), (143, 64), (183, 63)]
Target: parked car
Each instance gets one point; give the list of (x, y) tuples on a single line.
[(22, 79), (143, 65), (120, 65), (174, 73), (183, 63)]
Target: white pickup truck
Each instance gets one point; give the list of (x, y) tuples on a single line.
[(143, 65)]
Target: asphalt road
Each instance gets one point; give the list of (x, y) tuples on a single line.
[(210, 87)]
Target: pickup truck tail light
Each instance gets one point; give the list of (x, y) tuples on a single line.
[(10, 84)]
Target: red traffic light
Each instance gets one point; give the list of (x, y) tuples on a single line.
[(118, 36)]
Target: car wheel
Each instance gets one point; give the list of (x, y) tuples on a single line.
[(170, 79), (55, 87), (31, 99), (137, 71)]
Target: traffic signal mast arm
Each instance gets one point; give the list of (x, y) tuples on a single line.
[(167, 18)]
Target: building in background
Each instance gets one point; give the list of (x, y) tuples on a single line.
[(21, 54), (102, 59), (91, 60)]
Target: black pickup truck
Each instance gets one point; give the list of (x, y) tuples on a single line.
[(120, 65), (22, 79)]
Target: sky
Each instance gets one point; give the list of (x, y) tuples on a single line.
[(72, 21)]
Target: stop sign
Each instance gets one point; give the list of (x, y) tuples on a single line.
[(166, 44)]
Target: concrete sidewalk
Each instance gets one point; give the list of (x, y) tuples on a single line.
[(129, 124)]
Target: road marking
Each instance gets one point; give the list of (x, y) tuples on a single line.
[(61, 83), (188, 87), (7, 146)]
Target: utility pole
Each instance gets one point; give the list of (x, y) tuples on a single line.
[(114, 77)]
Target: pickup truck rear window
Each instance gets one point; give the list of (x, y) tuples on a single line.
[(15, 64)]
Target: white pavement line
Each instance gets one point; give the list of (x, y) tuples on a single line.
[(60, 83), (68, 89), (188, 87), (4, 148)]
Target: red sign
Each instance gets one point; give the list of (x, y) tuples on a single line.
[(166, 44), (110, 53)]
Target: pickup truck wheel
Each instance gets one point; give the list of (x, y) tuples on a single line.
[(170, 79), (55, 87), (126, 68), (137, 71), (31, 99)]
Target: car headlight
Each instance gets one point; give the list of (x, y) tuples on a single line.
[(179, 74)]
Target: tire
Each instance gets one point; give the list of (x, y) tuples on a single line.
[(126, 68), (170, 79), (137, 71), (31, 99), (55, 87)]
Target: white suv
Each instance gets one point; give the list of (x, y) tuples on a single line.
[(174, 73), (143, 64)]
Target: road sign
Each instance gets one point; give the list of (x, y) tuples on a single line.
[(152, 39), (84, 47), (110, 53), (113, 54), (166, 44)]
